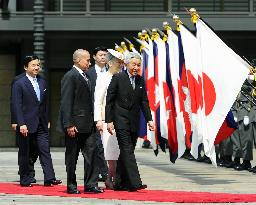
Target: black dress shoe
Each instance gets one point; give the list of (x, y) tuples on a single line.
[(26, 185), (94, 190), (253, 169), (132, 189), (32, 180), (142, 186), (221, 163), (243, 166), (230, 164), (73, 191), (52, 182), (120, 188)]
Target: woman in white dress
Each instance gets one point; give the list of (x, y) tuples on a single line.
[(110, 144)]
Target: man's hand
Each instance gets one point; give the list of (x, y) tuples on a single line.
[(72, 131), (111, 128), (99, 126), (49, 125), (14, 126), (151, 125), (24, 130)]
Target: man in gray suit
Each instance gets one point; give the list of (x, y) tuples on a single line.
[(76, 120)]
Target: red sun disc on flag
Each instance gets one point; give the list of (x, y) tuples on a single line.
[(209, 94)]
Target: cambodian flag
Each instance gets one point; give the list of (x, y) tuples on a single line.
[(184, 95)]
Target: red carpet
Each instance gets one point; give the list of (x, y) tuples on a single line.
[(142, 195)]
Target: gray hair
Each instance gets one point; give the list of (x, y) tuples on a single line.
[(78, 53), (129, 56)]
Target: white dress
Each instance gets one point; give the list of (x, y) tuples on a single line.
[(110, 144)]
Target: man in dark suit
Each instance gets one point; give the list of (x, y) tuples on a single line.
[(30, 110), (76, 120), (126, 95), (33, 153), (99, 55)]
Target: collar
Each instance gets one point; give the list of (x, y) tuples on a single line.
[(30, 77), (78, 69), (99, 69), (129, 74)]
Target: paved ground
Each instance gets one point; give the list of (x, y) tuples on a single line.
[(156, 172)]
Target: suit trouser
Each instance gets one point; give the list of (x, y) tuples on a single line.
[(33, 155), (86, 142), (41, 141), (127, 173), (103, 167)]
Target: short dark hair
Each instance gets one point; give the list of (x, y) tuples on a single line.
[(28, 59), (99, 48)]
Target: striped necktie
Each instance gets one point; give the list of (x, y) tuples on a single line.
[(36, 88)]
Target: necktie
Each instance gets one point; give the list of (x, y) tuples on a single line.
[(85, 77), (133, 82), (37, 90), (87, 80)]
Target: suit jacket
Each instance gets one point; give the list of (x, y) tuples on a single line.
[(123, 104), (25, 107), (13, 120), (93, 77), (76, 108)]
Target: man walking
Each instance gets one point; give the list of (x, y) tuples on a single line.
[(76, 120), (29, 108), (126, 95)]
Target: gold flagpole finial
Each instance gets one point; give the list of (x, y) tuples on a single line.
[(178, 22), (194, 15), (118, 48), (139, 35), (131, 46), (123, 46), (167, 27), (154, 34), (144, 35)]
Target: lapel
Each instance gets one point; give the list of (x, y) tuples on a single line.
[(129, 85), (94, 74), (30, 87), (81, 78)]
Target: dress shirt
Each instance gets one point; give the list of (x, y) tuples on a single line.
[(100, 70), (35, 85)]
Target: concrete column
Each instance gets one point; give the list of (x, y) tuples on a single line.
[(39, 41)]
